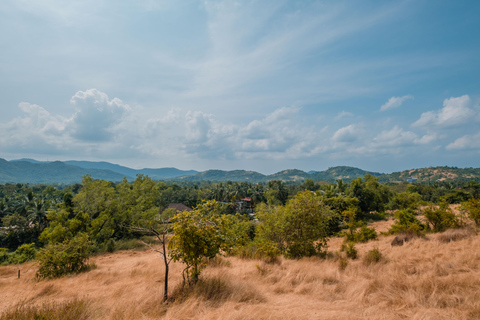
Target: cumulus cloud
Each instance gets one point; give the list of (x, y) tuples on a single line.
[(395, 137), (455, 111), (465, 142), (346, 134), (395, 102), (96, 115)]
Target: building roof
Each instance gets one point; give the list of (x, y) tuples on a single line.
[(179, 207)]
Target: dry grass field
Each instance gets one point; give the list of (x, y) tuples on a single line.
[(433, 278)]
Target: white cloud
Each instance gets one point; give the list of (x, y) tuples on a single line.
[(428, 138), (346, 134), (465, 142), (395, 102), (455, 111), (96, 115), (344, 114), (396, 137)]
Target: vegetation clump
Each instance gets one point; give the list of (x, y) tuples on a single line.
[(372, 256), (68, 257)]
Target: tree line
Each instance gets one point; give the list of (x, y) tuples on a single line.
[(63, 226)]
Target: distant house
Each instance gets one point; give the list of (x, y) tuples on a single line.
[(179, 207), (411, 179)]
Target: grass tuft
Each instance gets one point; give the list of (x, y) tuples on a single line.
[(69, 310)]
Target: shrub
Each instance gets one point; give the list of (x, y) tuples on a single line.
[(472, 208), (342, 264), (64, 258), (110, 246), (24, 253), (372, 256), (4, 255), (440, 219), (363, 234), (406, 222), (351, 251), (406, 200)]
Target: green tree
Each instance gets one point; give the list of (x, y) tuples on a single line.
[(472, 208), (198, 234)]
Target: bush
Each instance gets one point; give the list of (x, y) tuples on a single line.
[(472, 208), (350, 250), (406, 222), (69, 257), (372, 256), (24, 253), (440, 219), (4, 256), (342, 264), (363, 234)]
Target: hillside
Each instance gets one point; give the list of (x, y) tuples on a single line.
[(157, 174), (341, 173), (49, 172), (423, 279), (221, 175), (433, 174)]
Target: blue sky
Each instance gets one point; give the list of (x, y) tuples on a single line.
[(255, 85)]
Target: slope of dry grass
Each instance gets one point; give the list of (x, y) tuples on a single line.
[(424, 279)]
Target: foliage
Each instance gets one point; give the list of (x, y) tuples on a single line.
[(456, 196), (68, 257), (441, 218), (372, 256), (357, 230), (372, 195), (24, 253), (198, 234), (349, 249), (406, 222), (405, 200), (298, 229), (472, 208), (4, 256)]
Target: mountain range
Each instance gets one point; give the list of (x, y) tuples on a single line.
[(67, 172)]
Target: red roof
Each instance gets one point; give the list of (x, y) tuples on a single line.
[(246, 199)]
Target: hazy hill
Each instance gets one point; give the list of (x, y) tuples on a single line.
[(49, 172), (158, 174), (290, 175), (341, 173), (221, 175), (33, 171)]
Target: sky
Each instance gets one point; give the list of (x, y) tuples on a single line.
[(255, 85)]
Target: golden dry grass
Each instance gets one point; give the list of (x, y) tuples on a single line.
[(423, 279)]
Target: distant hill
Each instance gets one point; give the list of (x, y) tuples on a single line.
[(49, 172), (33, 171), (290, 175), (341, 173), (157, 174), (433, 174), (220, 175)]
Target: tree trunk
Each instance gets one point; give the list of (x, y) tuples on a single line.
[(165, 260)]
